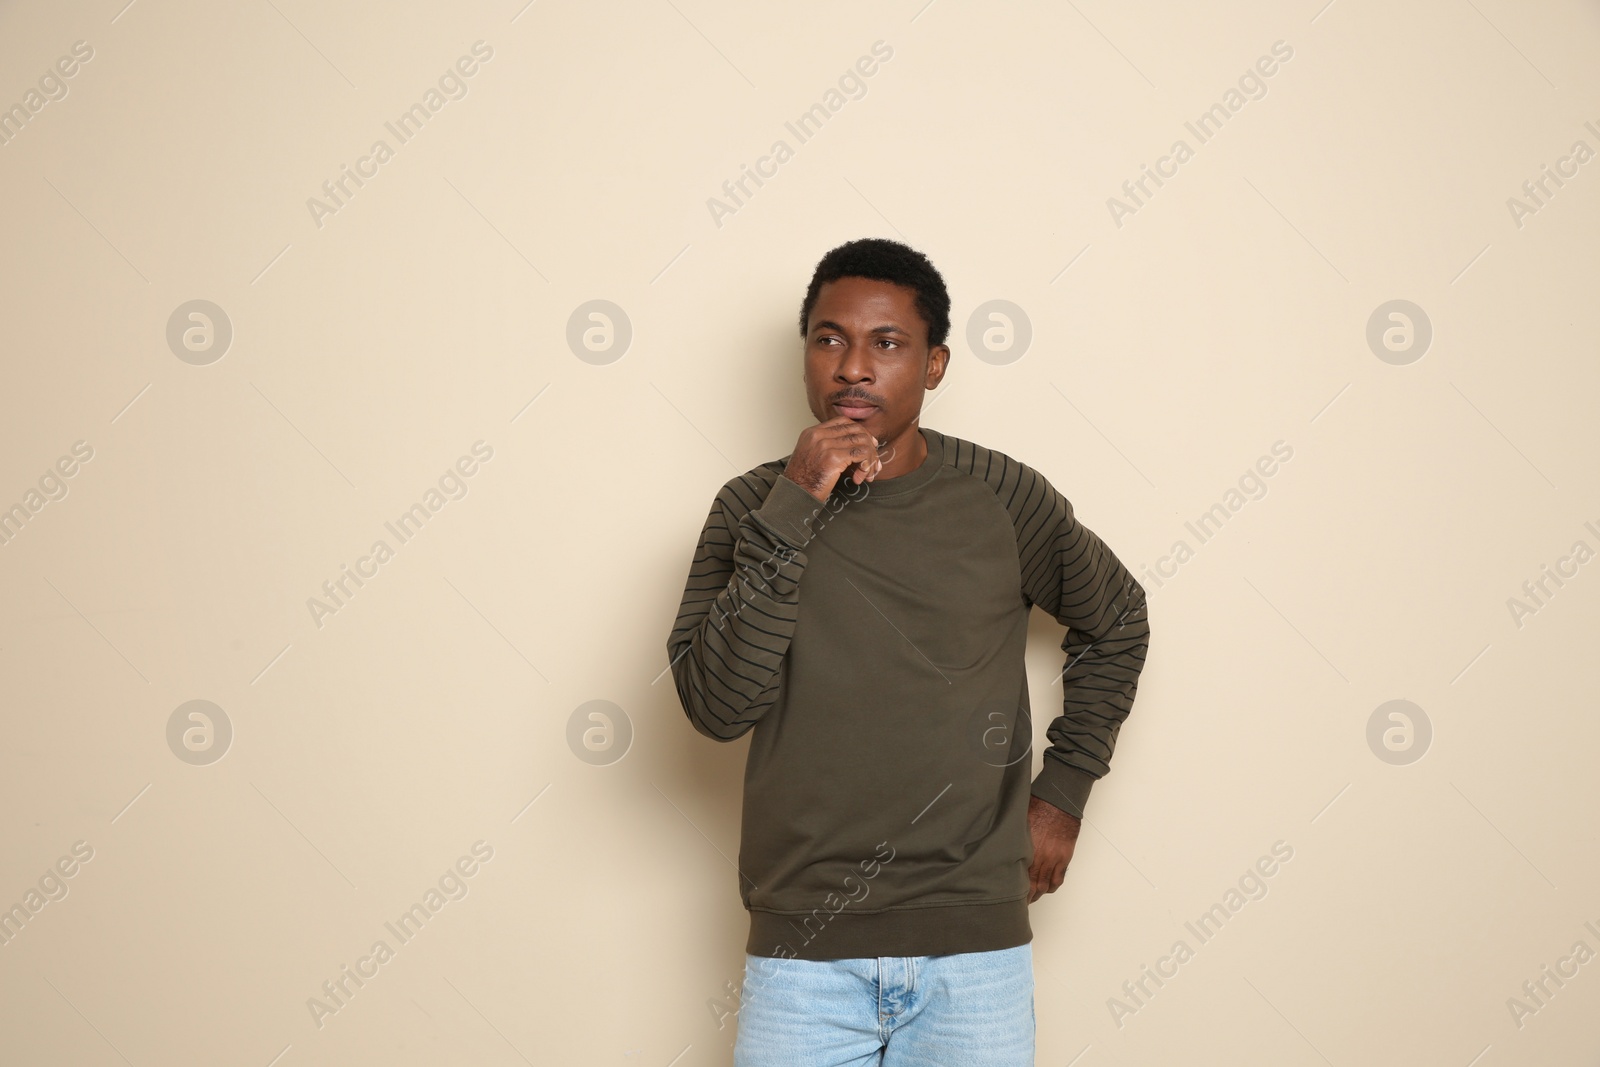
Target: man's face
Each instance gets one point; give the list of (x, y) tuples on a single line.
[(867, 356)]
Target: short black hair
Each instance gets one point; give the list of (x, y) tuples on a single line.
[(887, 261)]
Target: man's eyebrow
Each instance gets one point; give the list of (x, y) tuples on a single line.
[(829, 324)]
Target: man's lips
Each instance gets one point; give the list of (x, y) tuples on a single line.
[(855, 409)]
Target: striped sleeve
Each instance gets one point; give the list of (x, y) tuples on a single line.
[(741, 602), (1070, 573)]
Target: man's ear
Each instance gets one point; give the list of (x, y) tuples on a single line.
[(938, 359)]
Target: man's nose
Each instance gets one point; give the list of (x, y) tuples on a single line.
[(855, 364)]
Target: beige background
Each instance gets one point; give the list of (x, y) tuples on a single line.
[(1167, 354)]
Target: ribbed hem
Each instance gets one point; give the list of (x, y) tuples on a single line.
[(940, 930)]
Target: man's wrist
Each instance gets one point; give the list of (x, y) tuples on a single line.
[(819, 494), (788, 512), (1063, 786)]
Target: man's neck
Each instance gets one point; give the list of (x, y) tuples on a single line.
[(910, 449)]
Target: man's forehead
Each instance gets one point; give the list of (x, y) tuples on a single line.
[(870, 306), (866, 289), (886, 328)]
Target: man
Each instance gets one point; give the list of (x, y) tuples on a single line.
[(862, 606)]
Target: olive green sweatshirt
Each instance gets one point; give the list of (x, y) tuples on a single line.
[(873, 648)]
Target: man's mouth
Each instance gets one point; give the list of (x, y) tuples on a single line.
[(855, 409)]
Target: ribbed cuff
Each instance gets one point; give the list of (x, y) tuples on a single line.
[(788, 513), (1063, 785)]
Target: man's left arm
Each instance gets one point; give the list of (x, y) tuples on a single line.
[(1070, 572)]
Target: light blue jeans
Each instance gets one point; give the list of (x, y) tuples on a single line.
[(971, 1009)]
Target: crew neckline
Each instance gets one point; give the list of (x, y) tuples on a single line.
[(913, 479)]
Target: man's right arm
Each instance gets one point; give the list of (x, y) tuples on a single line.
[(740, 606)]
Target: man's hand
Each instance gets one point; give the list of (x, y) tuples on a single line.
[(827, 450), (1055, 835)]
